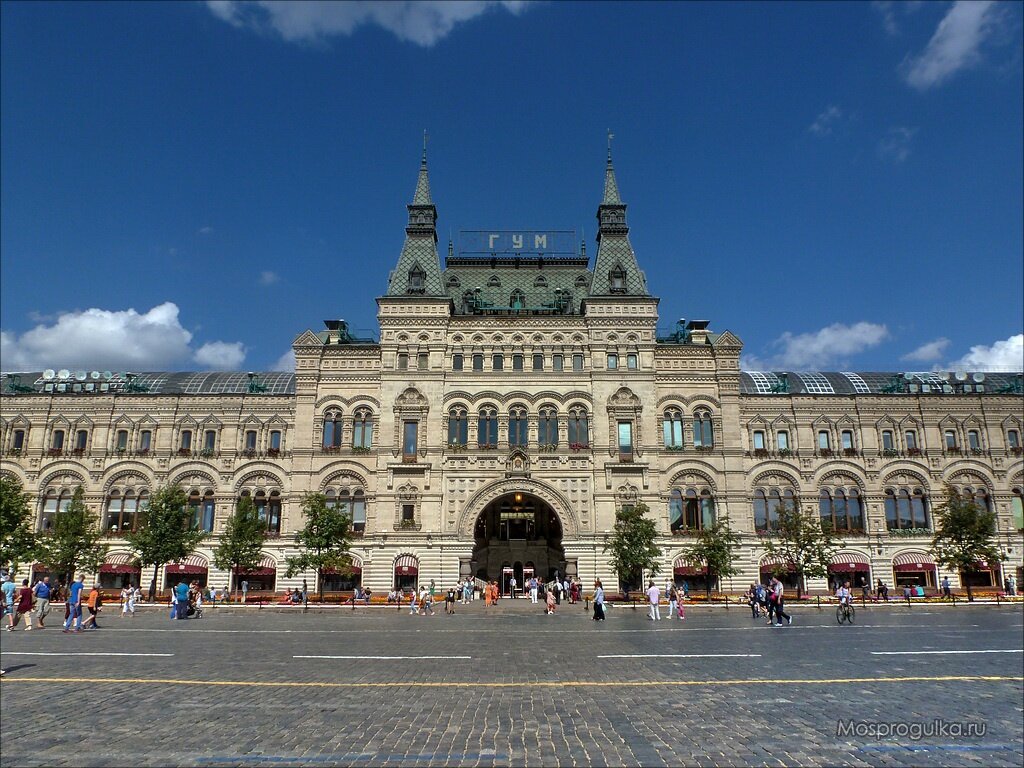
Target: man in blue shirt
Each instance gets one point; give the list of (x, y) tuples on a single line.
[(75, 606), (181, 592), (43, 591), (8, 590)]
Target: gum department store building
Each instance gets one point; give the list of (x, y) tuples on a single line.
[(515, 400)]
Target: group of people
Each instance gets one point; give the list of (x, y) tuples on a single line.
[(186, 600), (21, 601), (769, 602)]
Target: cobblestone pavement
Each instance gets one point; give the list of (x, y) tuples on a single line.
[(512, 686)]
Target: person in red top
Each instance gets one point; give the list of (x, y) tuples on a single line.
[(24, 605)]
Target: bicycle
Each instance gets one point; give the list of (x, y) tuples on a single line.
[(844, 612)]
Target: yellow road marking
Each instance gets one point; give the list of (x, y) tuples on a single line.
[(523, 684)]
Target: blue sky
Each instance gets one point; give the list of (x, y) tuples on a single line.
[(190, 185)]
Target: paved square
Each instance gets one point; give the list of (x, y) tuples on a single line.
[(512, 686)]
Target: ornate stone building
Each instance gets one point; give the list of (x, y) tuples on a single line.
[(517, 398)]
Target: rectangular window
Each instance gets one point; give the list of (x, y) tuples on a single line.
[(409, 431), (18, 442), (556, 362), (498, 362), (250, 440), (81, 439), (950, 437), (456, 362), (1013, 438), (538, 362), (887, 440), (122, 439), (782, 440), (208, 515), (823, 441), (613, 361), (517, 362), (275, 440), (974, 439), (631, 361), (145, 440), (758, 440), (577, 362), (847, 437), (186, 440), (625, 441), (57, 441), (359, 515), (478, 362), (408, 513), (403, 361), (910, 436), (422, 360), (210, 439)]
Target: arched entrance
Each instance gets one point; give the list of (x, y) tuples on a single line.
[(515, 533)]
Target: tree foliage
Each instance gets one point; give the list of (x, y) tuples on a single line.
[(17, 538), (802, 543), (74, 542), (241, 544), (633, 544), (964, 535), (164, 534), (715, 547), (325, 539)]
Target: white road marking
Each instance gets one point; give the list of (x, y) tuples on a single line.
[(383, 658), (681, 656), (922, 653), (60, 654)]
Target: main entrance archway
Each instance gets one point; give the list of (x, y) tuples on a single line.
[(518, 534)]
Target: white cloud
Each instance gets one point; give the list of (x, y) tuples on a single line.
[(105, 339), (206, 231), (221, 355), (955, 45), (422, 22), (926, 353), (822, 125), (895, 146), (268, 278), (887, 10), (285, 362), (819, 349), (1007, 354)]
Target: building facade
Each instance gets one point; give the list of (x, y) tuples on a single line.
[(517, 397)]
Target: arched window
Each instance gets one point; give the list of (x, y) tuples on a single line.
[(698, 508), (547, 432), (905, 508), (675, 510), (672, 426), (362, 432), (268, 508), (767, 503), (516, 300), (703, 430), (124, 510), (1017, 508), (332, 431), (517, 427), (458, 427), (979, 496), (358, 511), (54, 503), (840, 509), (487, 428), (417, 279), (617, 280), (579, 428)]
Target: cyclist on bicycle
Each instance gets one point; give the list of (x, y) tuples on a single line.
[(844, 594)]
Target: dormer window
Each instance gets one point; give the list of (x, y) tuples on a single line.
[(417, 279), (617, 280), (493, 282), (516, 300)]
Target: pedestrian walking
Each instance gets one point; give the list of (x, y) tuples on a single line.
[(73, 610), (598, 601), (946, 593), (93, 603), (449, 602), (9, 589), (305, 594), (654, 601), (533, 589), (752, 601), (23, 605), (245, 590), (42, 592), (512, 587), (412, 603), (550, 602), (129, 601), (673, 600), (780, 611)]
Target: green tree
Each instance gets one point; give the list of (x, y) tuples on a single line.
[(165, 533), (17, 539), (716, 548), (241, 544), (964, 535), (74, 542), (633, 544), (325, 538), (802, 543)]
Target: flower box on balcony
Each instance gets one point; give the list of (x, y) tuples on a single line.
[(78, 452), (54, 452), (184, 451), (457, 447), (674, 448), (579, 446), (14, 452), (913, 451), (890, 453), (273, 452), (825, 452), (548, 447), (953, 451), (361, 449), (785, 453), (248, 453), (206, 453), (903, 532), (487, 446), (142, 452), (760, 453), (704, 448), (1017, 450), (849, 451)]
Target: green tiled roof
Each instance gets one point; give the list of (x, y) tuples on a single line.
[(614, 251), (419, 253), (536, 278)]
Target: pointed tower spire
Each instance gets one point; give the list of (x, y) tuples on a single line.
[(615, 268), (419, 266)]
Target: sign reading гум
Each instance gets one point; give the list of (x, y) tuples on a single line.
[(518, 242)]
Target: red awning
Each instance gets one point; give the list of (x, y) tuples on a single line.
[(843, 564), (769, 565), (690, 570), (913, 561), (196, 564), (120, 562), (256, 572), (407, 565), (355, 567)]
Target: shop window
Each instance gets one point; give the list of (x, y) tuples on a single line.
[(54, 503), (675, 510), (695, 508), (766, 507)]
